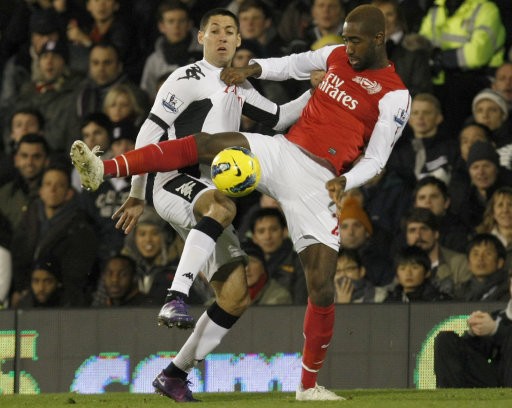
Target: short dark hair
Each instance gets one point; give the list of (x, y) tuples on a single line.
[(431, 180), (106, 44), (352, 254), (485, 129), (486, 238), (217, 12), (34, 138), (267, 212), (413, 255), (59, 167), (130, 261), (257, 4), (29, 111), (100, 119), (171, 5), (421, 215)]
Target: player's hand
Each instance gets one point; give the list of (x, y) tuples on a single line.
[(236, 76), (128, 214), (316, 77), (336, 187), (344, 290), (481, 323)]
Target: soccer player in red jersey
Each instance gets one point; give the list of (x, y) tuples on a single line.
[(343, 138)]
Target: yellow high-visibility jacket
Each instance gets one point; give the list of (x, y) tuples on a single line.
[(473, 37)]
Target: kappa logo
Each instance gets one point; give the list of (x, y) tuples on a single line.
[(171, 103), (372, 87), (186, 189), (188, 275), (193, 73)]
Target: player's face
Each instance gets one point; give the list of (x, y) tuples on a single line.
[(352, 233), (503, 81), (430, 197), (360, 46), (424, 119), (93, 134), (489, 113), (23, 123), (175, 25), (483, 260), (30, 160), (467, 137), (220, 40), (410, 275), (268, 234), (253, 271), (117, 278), (421, 235), (43, 284), (104, 65), (54, 190), (483, 174), (502, 209), (148, 239)]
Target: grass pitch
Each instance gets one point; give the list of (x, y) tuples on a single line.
[(447, 398)]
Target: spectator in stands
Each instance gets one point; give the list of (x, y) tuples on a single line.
[(351, 283), (497, 220), (327, 17), (486, 260), (106, 25), (263, 290), (245, 213), (5, 261), (373, 245), (502, 83), (177, 45), (30, 159), (409, 54), (121, 105), (463, 54), (54, 225), (460, 180), (490, 109), (448, 268), (22, 122), (425, 150), (432, 193), (486, 175), (119, 277), (105, 71), (45, 286), (413, 271), (270, 233), (53, 94), (293, 24), (156, 259), (481, 357)]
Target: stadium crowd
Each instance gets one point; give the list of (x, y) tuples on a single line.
[(435, 225)]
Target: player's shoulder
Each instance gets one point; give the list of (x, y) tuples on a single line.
[(195, 71)]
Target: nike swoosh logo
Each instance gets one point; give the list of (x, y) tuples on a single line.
[(238, 171)]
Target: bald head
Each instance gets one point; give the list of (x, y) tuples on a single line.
[(369, 17)]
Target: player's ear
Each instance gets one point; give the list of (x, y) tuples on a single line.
[(238, 40), (200, 37)]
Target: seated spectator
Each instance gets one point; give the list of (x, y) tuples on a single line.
[(119, 277), (497, 220), (502, 83), (54, 225), (22, 122), (486, 260), (448, 268), (121, 105), (270, 233), (327, 17), (373, 245), (30, 159), (481, 357), (350, 282), (5, 261), (45, 286), (156, 259), (490, 109), (246, 209), (177, 46), (432, 193), (413, 275), (424, 150), (263, 290)]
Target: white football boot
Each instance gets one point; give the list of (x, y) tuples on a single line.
[(88, 164), (317, 393)]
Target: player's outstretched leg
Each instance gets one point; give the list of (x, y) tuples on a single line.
[(88, 165), (175, 313), (174, 388)]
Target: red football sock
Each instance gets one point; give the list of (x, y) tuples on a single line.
[(318, 329), (163, 156)]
